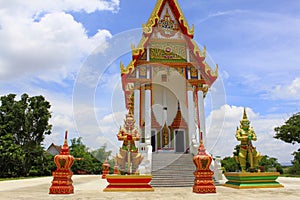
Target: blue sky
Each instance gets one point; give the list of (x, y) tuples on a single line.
[(48, 48)]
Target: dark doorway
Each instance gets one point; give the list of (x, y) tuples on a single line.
[(153, 140), (179, 137)]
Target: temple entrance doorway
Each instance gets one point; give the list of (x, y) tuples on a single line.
[(179, 141)]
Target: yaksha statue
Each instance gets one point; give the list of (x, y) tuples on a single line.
[(247, 157), (129, 159)]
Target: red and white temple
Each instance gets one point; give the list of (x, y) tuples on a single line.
[(169, 78)]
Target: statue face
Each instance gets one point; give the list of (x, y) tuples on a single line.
[(129, 122), (245, 124)]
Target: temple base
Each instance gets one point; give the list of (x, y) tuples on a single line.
[(252, 180), (62, 182), (128, 183), (203, 182)]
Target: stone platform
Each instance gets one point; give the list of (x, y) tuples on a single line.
[(128, 183), (252, 180)]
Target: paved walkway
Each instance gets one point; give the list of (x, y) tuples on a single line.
[(91, 187)]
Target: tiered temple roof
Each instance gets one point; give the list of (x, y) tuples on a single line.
[(179, 121)]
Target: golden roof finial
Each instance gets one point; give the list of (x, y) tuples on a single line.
[(167, 13)]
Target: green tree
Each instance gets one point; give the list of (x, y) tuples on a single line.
[(101, 154), (290, 133), (230, 164), (11, 157), (85, 161), (43, 165), (268, 162), (295, 168), (26, 121)]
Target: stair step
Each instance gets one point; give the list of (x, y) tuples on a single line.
[(172, 170)]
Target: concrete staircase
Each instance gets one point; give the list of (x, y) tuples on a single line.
[(172, 170)]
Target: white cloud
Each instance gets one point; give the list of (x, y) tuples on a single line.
[(290, 91), (42, 43), (36, 7), (221, 139), (221, 14), (51, 47)]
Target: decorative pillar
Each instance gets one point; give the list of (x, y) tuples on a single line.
[(203, 182), (105, 168), (137, 73), (137, 108), (116, 167), (148, 54), (146, 165), (188, 73), (62, 181), (218, 169), (201, 112), (148, 113), (191, 115), (148, 72), (165, 111), (188, 55)]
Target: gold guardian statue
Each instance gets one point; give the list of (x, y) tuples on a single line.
[(247, 157)]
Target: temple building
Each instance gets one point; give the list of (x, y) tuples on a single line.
[(169, 78)]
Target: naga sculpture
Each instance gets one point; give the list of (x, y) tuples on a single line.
[(247, 152), (128, 158)]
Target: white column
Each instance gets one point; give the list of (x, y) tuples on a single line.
[(199, 74), (137, 110), (148, 54), (137, 73), (188, 55), (148, 72), (146, 165), (164, 106), (148, 114), (191, 113), (201, 114), (189, 74)]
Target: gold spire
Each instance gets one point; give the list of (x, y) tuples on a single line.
[(66, 138), (245, 115), (167, 13), (245, 121)]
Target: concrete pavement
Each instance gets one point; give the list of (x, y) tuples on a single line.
[(91, 187)]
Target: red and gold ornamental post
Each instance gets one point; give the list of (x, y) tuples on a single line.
[(105, 169), (62, 181), (203, 182), (116, 167)]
